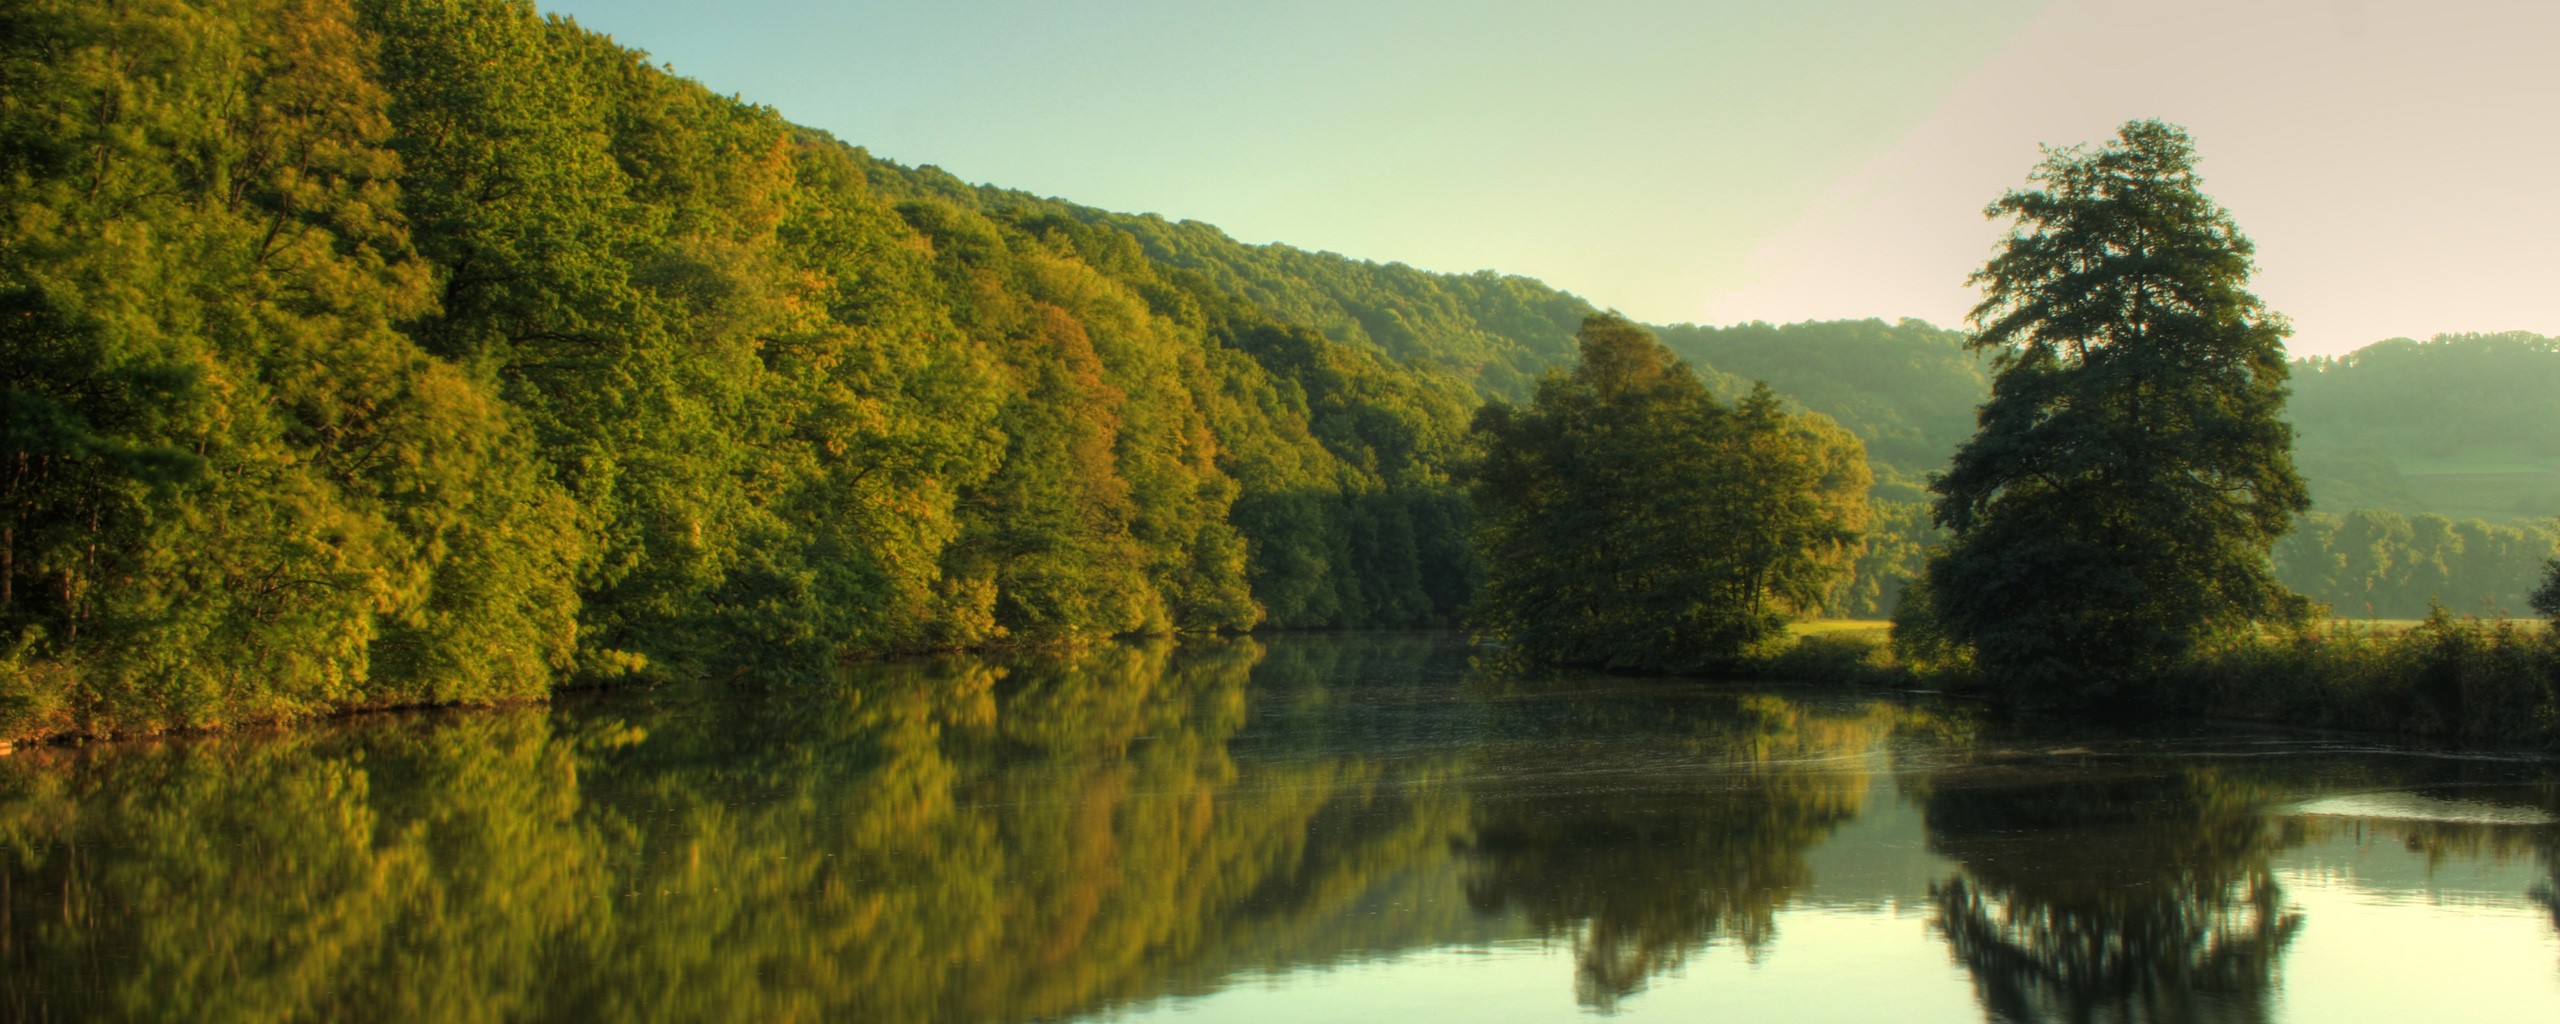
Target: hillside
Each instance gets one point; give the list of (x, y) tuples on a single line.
[(376, 352), (395, 351), (1495, 332), (2461, 425), (1907, 389)]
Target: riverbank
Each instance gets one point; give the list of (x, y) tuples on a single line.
[(2492, 681)]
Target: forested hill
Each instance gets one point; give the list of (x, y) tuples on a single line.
[(1496, 332), (365, 352), (1907, 389), (2461, 425)]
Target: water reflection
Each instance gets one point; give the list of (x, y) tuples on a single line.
[(1701, 845), (1046, 837), (2110, 893)]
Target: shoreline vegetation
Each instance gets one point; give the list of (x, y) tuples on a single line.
[(2445, 678), (374, 354)]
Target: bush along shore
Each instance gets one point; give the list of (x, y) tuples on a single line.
[(2493, 682)]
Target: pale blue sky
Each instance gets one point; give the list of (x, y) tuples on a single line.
[(1693, 161)]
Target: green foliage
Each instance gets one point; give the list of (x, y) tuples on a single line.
[(2372, 563), (1631, 520), (1495, 333), (399, 351), (1899, 539), (2490, 681), (1320, 466), (234, 489), (2132, 467), (1839, 657)]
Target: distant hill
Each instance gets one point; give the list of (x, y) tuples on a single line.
[(2461, 425), (1907, 389)]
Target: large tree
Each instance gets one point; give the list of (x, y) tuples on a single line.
[(2133, 465), (1627, 518)]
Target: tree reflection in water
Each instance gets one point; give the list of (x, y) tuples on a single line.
[(2135, 898), (946, 840), (1050, 836), (1704, 846)]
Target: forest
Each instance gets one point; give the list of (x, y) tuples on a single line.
[(411, 351), (367, 353)]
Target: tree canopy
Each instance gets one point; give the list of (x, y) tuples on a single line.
[(2132, 467), (1629, 519)]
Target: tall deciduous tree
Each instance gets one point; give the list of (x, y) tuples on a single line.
[(1629, 519), (2133, 466)]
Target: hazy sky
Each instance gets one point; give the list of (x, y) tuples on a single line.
[(1710, 162)]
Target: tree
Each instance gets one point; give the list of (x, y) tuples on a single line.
[(2546, 598), (1629, 519), (2132, 467)]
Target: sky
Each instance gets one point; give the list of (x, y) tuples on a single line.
[(1710, 162)]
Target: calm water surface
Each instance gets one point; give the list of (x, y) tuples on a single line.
[(1296, 829)]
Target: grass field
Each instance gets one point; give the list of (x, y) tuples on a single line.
[(1819, 627), (2404, 625)]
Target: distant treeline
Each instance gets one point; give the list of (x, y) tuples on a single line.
[(2379, 564)]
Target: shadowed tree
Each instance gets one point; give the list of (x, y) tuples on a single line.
[(1630, 519), (2133, 466)]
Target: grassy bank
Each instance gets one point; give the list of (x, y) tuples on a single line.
[(2490, 681)]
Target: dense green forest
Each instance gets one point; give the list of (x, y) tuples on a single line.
[(379, 352), (389, 351), (1630, 519)]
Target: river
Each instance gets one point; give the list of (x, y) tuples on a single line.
[(1302, 828)]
